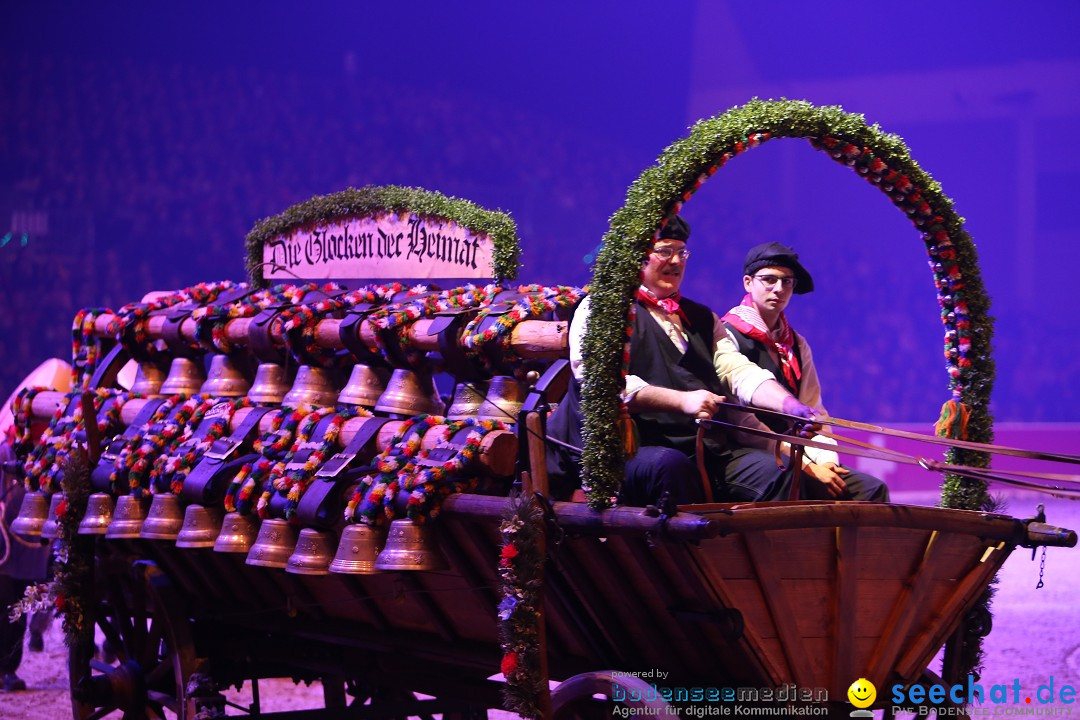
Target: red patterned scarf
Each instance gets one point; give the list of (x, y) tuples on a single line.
[(745, 318), (670, 305)]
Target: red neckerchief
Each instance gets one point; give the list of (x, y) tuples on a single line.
[(670, 305), (745, 318)]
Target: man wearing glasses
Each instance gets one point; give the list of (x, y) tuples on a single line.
[(682, 364), (771, 275)]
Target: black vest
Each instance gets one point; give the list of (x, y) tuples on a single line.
[(756, 351)]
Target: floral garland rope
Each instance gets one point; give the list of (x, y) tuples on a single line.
[(538, 301), (85, 348), (273, 446), (170, 469)]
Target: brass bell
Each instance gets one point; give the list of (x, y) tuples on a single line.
[(33, 513), (409, 395), (271, 384), (164, 520), (365, 386), (99, 512), (201, 527), (224, 378), (185, 377), (148, 379), (50, 530), (312, 387), (313, 553), (237, 533), (357, 550), (468, 400), (410, 547), (275, 544), (505, 397), (128, 517)]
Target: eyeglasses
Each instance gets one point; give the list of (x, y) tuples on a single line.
[(666, 253), (769, 281)]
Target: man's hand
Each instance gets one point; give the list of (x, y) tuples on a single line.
[(830, 475), (700, 403), (792, 406)]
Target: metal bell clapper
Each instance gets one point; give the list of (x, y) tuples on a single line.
[(238, 533), (313, 553), (99, 513), (468, 400), (201, 527), (271, 384), (365, 386), (409, 395), (164, 519), (505, 397), (128, 518), (356, 551), (312, 387), (276, 541), (50, 530), (410, 547), (33, 513), (225, 379), (186, 376)]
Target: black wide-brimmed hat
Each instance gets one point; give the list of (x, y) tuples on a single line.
[(774, 254)]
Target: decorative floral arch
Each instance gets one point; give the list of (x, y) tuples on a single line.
[(881, 159)]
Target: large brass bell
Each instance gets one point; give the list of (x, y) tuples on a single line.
[(468, 400), (313, 553), (149, 378), (99, 513), (237, 534), (271, 384), (128, 517), (33, 513), (357, 550), (164, 519), (364, 388), (410, 547), (312, 387), (185, 377), (504, 399), (275, 544), (224, 378), (407, 394), (201, 527), (51, 530)]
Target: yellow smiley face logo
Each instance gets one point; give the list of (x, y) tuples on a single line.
[(862, 693)]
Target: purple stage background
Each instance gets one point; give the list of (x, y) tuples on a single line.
[(138, 145)]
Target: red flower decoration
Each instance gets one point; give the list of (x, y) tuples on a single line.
[(509, 551), (61, 508), (61, 603), (509, 663)]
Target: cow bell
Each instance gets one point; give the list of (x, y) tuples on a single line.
[(99, 513), (410, 547), (50, 530), (224, 378), (33, 514), (164, 520), (276, 541), (312, 387), (237, 533), (364, 388), (149, 378), (407, 394), (505, 397), (313, 553), (271, 384), (357, 550), (185, 377), (128, 518), (468, 400), (201, 527)]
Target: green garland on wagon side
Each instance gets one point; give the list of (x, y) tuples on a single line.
[(372, 200)]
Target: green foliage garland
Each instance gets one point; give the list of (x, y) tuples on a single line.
[(370, 200), (660, 192)]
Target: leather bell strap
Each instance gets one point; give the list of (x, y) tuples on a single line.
[(318, 505), (932, 439), (208, 478), (99, 476)]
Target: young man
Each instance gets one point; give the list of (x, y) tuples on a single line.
[(682, 363), (771, 275)]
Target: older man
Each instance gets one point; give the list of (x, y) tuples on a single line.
[(771, 275), (682, 364)]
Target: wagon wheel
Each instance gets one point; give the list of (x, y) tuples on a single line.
[(140, 616), (574, 697)]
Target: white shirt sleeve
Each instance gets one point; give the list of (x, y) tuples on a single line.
[(578, 326), (736, 372)]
